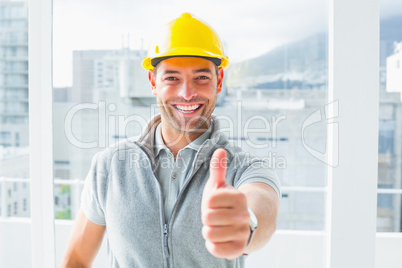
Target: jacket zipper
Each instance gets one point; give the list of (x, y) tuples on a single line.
[(166, 225), (187, 181), (165, 234)]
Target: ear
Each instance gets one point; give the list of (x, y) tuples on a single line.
[(151, 78), (220, 80)]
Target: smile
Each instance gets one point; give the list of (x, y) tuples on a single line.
[(187, 108)]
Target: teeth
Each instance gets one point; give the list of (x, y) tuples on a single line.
[(188, 108)]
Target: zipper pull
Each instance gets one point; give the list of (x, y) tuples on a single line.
[(165, 233)]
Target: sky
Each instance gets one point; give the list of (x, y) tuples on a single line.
[(247, 28)]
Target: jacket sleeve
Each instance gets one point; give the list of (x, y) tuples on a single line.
[(94, 192), (258, 170)]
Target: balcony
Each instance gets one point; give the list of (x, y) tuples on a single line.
[(301, 249), (307, 248)]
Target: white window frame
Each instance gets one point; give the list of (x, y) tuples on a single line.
[(352, 185), (353, 80), (41, 133)]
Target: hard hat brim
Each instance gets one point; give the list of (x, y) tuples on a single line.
[(186, 51), (216, 61)]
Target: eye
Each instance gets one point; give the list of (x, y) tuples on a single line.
[(171, 78), (203, 77)]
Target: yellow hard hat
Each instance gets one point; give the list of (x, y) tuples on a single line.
[(186, 36)]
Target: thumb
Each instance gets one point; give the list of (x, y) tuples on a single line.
[(217, 169)]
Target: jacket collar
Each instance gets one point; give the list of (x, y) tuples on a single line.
[(216, 140)]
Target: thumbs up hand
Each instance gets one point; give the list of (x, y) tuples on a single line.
[(224, 213)]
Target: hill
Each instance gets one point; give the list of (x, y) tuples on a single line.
[(302, 64)]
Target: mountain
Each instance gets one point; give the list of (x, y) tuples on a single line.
[(301, 64), (390, 32)]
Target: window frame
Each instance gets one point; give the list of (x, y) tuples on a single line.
[(41, 133), (353, 72)]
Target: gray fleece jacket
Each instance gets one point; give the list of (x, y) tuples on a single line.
[(122, 192)]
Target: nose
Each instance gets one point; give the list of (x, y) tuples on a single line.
[(187, 91)]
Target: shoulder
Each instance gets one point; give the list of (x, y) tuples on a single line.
[(236, 153), (121, 150), (251, 168)]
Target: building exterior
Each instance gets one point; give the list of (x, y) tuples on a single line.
[(84, 74), (97, 73), (62, 94), (389, 162), (14, 182), (13, 73), (14, 155)]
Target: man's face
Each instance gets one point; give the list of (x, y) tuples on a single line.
[(186, 90)]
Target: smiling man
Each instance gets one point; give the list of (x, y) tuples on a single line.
[(190, 198), (186, 91)]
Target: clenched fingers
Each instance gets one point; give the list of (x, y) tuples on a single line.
[(225, 216), (219, 234)]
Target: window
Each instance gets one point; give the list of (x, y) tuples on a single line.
[(5, 135), (293, 66), (17, 140), (286, 83), (290, 86), (3, 11), (389, 149), (17, 12), (386, 137), (19, 23), (15, 208)]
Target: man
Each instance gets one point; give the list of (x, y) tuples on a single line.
[(180, 195)]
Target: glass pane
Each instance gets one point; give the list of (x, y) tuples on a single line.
[(390, 121), (15, 229), (389, 213), (275, 88), (302, 211)]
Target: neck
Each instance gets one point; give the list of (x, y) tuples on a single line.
[(176, 140)]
